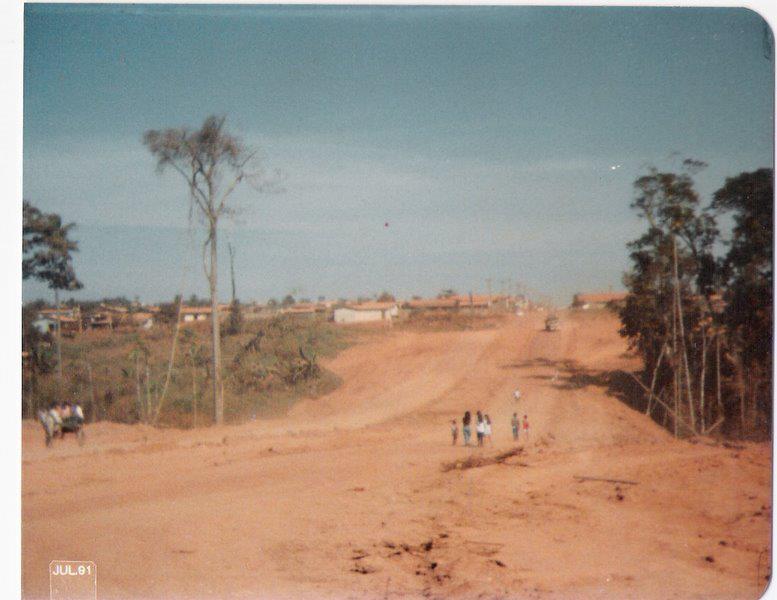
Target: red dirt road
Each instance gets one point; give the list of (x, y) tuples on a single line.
[(346, 498)]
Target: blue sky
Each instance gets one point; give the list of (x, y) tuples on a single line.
[(485, 137)]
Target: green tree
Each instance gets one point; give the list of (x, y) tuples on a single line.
[(667, 314), (47, 256), (748, 270)]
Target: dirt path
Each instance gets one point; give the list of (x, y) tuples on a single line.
[(346, 497)]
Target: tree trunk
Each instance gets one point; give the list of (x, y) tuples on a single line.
[(91, 390), (218, 392), (147, 409), (678, 300), (194, 392), (31, 393), (702, 376), (170, 363), (59, 340), (675, 387), (653, 380), (137, 387)]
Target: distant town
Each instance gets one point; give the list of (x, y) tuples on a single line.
[(123, 315)]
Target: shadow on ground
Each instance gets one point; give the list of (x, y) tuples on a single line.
[(569, 375)]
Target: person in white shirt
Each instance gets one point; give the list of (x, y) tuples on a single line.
[(517, 394), (480, 428), (487, 429)]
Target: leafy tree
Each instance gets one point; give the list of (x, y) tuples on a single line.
[(213, 163), (47, 256), (386, 297), (748, 269), (288, 300), (447, 293), (667, 313)]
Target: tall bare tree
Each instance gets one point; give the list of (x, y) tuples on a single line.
[(213, 163)]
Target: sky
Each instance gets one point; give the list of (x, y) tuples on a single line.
[(419, 148)]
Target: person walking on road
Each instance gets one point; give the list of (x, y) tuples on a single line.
[(487, 429), (526, 427), (516, 424), (465, 427), (480, 428), (454, 432)]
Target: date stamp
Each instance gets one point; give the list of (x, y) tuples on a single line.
[(72, 580)]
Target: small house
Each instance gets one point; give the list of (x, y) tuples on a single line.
[(366, 312)]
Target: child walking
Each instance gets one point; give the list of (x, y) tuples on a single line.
[(516, 424), (465, 427), (526, 427), (454, 432), (487, 429), (480, 428)]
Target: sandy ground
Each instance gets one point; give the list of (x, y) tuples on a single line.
[(346, 497)]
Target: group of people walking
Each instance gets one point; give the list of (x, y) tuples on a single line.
[(61, 417), (483, 428)]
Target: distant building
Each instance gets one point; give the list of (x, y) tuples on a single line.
[(366, 312), (452, 303), (598, 300), (308, 309), (69, 318), (143, 320), (191, 314)]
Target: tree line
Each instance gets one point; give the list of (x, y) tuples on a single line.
[(699, 308)]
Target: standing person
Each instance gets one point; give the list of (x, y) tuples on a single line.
[(516, 423), (526, 427), (56, 420), (78, 413), (480, 428), (465, 427), (487, 429), (454, 432)]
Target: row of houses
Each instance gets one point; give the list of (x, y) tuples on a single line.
[(118, 317), (72, 320), (387, 311)]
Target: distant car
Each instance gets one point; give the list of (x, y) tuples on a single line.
[(551, 323)]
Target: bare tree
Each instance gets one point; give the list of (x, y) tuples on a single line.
[(213, 163)]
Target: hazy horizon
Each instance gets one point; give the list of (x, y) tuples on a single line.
[(495, 142)]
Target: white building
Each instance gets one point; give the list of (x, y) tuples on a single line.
[(366, 312)]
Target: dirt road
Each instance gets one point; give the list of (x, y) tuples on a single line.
[(346, 497)]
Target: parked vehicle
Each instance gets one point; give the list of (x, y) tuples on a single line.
[(551, 323)]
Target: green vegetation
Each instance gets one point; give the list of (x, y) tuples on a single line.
[(701, 320), (120, 376)]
